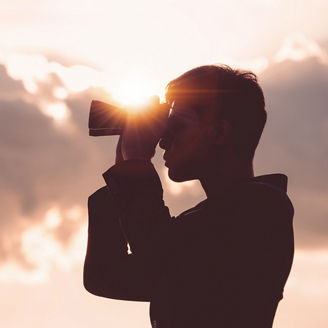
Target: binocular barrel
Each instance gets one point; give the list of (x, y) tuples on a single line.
[(106, 119)]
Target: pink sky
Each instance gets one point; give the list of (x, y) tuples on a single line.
[(56, 56)]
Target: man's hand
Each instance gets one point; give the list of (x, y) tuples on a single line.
[(142, 132)]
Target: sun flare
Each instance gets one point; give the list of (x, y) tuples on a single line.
[(134, 92)]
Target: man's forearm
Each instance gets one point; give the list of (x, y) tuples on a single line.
[(106, 243), (145, 219), (129, 208)]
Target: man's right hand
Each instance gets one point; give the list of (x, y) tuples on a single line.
[(141, 134)]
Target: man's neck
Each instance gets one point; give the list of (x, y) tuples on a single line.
[(218, 178)]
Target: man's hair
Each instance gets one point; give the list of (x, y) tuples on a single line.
[(219, 93)]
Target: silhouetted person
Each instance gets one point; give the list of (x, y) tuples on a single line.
[(222, 263)]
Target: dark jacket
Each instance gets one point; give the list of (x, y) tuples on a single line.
[(222, 263)]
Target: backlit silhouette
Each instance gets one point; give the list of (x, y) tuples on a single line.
[(222, 263)]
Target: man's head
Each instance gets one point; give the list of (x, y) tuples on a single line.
[(217, 112)]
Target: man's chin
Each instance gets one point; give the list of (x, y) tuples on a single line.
[(179, 176)]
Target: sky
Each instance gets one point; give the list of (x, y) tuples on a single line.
[(56, 56)]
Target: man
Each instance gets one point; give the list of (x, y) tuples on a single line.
[(222, 263)]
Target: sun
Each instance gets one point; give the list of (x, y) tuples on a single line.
[(134, 92)]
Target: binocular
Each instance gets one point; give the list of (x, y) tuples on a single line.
[(107, 119)]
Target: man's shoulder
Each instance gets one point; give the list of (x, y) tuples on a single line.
[(197, 209), (256, 191), (260, 199), (101, 194)]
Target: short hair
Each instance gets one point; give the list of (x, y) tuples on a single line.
[(218, 92)]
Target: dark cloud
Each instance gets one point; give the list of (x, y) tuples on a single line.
[(295, 141), (9, 88), (44, 164)]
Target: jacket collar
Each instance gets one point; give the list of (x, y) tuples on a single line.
[(278, 180)]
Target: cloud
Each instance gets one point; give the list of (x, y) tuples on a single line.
[(9, 88), (34, 68), (45, 166), (43, 253), (49, 167), (298, 47), (49, 164), (295, 141)]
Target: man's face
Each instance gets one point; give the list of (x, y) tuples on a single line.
[(188, 143)]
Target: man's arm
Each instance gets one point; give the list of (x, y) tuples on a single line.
[(137, 195), (144, 218), (109, 271)]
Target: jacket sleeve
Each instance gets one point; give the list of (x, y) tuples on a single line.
[(144, 218), (129, 209)]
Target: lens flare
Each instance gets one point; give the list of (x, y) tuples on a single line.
[(134, 93)]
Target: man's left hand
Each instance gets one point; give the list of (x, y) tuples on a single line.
[(143, 131)]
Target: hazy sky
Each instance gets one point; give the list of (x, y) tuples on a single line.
[(56, 56)]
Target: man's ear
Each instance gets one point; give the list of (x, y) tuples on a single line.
[(222, 132)]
